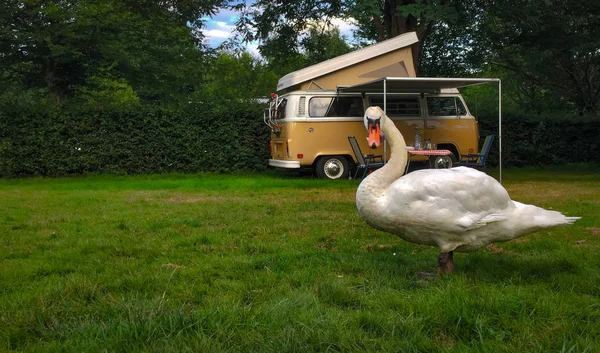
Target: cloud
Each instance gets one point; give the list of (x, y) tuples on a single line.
[(253, 49), (216, 32), (345, 26), (227, 15)]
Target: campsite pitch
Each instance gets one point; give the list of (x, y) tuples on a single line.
[(261, 262)]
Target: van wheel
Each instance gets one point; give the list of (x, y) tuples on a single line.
[(332, 167), (442, 162)]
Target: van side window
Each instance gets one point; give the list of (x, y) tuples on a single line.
[(396, 106), (445, 106), (320, 107)]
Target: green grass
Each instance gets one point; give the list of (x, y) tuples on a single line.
[(264, 263)]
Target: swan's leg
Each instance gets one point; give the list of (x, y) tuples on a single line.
[(446, 261)]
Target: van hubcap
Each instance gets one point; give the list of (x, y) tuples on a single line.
[(442, 162), (333, 168)]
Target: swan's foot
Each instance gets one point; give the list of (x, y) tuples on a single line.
[(446, 261)]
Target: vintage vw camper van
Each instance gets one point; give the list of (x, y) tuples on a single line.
[(317, 108)]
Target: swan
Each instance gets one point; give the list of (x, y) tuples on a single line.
[(458, 209)]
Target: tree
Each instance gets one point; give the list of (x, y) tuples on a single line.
[(320, 43), (100, 51), (236, 76), (448, 50), (377, 20), (553, 45)]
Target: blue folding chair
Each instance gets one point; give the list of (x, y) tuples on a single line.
[(477, 160)]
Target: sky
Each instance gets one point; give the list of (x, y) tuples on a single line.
[(220, 27)]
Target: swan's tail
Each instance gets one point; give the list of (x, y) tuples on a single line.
[(571, 220), (538, 217)]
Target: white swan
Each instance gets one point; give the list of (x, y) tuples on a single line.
[(457, 209)]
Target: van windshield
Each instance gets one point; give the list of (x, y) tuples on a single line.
[(445, 106), (320, 107)]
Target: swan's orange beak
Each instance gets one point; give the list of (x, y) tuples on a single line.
[(374, 139)]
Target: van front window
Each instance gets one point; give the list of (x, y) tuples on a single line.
[(320, 107), (445, 106)]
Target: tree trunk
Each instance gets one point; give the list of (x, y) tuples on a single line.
[(416, 53), (397, 25), (57, 94)]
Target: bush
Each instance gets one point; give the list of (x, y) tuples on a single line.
[(535, 141), (200, 137), (223, 137)]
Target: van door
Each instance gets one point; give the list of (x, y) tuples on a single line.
[(450, 126)]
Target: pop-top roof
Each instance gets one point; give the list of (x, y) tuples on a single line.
[(342, 61)]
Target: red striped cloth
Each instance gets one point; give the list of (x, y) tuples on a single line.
[(431, 152)]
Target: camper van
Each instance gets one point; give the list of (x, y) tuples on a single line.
[(317, 108)]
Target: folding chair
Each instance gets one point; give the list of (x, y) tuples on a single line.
[(477, 160), (364, 162)]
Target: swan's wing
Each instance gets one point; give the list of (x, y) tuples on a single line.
[(452, 200)]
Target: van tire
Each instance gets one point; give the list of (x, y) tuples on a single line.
[(332, 167)]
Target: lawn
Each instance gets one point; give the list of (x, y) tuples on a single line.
[(265, 263)]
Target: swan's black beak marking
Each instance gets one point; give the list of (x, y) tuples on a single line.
[(374, 128)]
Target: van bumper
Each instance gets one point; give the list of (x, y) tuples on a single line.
[(284, 164)]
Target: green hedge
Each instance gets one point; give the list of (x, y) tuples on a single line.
[(223, 137), (535, 141)]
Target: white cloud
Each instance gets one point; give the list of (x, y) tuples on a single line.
[(227, 13), (224, 25), (253, 49), (345, 26), (216, 33)]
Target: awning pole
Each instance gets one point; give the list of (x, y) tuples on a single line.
[(385, 111), (500, 126)]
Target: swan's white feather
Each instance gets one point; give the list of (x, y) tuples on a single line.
[(455, 199), (458, 209)]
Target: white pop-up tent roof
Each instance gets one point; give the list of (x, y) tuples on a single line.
[(387, 85), (386, 58)]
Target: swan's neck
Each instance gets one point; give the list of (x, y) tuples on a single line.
[(372, 191), (371, 195), (396, 166)]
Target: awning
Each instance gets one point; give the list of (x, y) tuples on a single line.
[(413, 84), (388, 85)]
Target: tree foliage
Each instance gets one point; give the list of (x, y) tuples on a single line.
[(377, 20), (234, 77), (553, 45), (285, 55), (101, 52), (265, 18), (448, 48)]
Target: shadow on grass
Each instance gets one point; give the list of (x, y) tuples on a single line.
[(507, 268)]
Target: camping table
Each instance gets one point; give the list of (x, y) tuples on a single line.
[(413, 152)]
